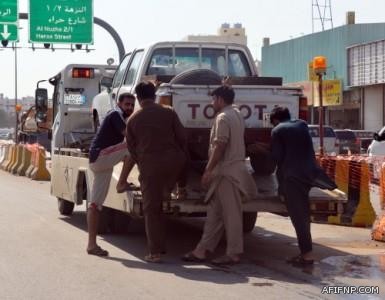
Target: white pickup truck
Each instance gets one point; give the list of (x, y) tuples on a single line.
[(189, 71)]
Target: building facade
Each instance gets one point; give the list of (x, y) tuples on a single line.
[(226, 34), (349, 49)]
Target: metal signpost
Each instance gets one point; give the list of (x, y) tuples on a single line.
[(65, 21), (319, 66), (9, 18)]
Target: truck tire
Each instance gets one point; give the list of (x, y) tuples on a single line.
[(65, 207), (197, 76), (121, 222), (249, 219), (105, 221)]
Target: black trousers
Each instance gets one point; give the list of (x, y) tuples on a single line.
[(158, 175), (296, 196)]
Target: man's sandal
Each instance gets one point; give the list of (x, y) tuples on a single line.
[(153, 258), (191, 257), (97, 251), (225, 261), (300, 261)]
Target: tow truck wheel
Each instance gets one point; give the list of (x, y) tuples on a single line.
[(249, 219), (65, 207)]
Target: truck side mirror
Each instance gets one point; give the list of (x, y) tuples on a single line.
[(41, 105), (106, 82), (376, 137)]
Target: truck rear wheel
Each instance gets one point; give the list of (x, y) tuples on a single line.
[(65, 207), (113, 221), (249, 219)]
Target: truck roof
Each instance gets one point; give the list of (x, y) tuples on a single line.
[(193, 43), (70, 66)]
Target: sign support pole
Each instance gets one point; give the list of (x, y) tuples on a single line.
[(16, 111), (321, 116)]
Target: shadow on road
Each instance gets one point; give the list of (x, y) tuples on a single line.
[(264, 258)]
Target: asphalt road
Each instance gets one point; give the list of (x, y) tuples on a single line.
[(42, 256)]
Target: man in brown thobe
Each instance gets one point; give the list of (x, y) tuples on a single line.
[(157, 142), (228, 181)]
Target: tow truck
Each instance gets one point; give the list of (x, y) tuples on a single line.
[(84, 93)]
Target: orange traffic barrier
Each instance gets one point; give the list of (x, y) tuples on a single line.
[(33, 149), (4, 153), (341, 174), (378, 230), (352, 176), (382, 186), (25, 161), (40, 171), (6, 157), (12, 158), (364, 214), (18, 160)]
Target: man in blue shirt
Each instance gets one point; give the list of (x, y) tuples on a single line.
[(108, 148), (293, 152)]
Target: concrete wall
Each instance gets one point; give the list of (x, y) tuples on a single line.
[(373, 108)]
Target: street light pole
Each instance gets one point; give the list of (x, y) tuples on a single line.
[(16, 106)]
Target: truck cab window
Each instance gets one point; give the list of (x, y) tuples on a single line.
[(161, 62), (134, 68), (214, 59), (120, 72), (238, 65)]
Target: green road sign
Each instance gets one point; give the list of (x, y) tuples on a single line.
[(64, 21), (9, 32), (8, 11), (9, 17)]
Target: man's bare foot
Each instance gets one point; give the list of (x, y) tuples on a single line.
[(308, 256)]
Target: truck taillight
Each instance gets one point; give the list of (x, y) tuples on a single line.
[(82, 73), (165, 100), (303, 109)]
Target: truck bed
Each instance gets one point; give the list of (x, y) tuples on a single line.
[(322, 202), (68, 163)]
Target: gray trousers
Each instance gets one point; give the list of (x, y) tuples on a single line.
[(224, 215)]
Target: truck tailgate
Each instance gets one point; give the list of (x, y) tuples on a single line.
[(193, 104)]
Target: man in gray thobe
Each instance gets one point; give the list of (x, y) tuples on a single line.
[(228, 181)]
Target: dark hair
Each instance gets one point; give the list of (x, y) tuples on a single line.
[(226, 92), (145, 90), (125, 95), (280, 113)]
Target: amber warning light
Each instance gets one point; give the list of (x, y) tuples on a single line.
[(319, 64), (82, 73), (18, 107)]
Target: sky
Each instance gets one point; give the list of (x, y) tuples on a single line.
[(142, 22)]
